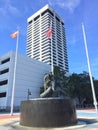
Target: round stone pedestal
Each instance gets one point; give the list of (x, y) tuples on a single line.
[(48, 112)]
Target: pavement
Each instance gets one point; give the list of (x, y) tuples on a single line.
[(87, 120)]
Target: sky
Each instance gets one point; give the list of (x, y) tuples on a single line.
[(14, 14)]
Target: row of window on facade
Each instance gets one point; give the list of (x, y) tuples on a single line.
[(3, 94), (44, 13), (6, 70), (5, 61), (4, 82)]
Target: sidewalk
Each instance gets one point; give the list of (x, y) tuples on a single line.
[(8, 122), (7, 118)]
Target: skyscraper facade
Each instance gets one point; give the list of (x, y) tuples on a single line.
[(39, 46)]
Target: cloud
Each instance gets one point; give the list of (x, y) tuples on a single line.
[(65, 4), (9, 14), (72, 40), (12, 10), (8, 9)]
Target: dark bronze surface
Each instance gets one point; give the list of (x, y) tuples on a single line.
[(48, 112)]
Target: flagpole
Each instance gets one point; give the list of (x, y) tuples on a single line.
[(88, 61), (52, 68), (14, 77)]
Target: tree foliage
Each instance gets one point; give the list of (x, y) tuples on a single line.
[(76, 85)]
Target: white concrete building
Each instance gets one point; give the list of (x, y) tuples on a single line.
[(29, 75), (39, 45)]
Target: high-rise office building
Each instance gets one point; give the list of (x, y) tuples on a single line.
[(39, 45)]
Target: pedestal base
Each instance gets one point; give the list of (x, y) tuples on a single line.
[(48, 112)]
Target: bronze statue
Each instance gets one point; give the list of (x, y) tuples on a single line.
[(50, 90)]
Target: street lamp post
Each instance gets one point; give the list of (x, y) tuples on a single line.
[(28, 94)]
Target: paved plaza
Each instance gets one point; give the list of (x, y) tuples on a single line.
[(87, 120)]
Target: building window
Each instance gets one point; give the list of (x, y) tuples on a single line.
[(3, 94), (4, 71), (58, 19), (36, 17), (30, 22), (4, 82), (46, 12), (6, 60)]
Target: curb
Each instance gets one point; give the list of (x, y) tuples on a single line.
[(80, 124)]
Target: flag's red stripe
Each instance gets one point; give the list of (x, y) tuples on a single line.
[(49, 33)]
